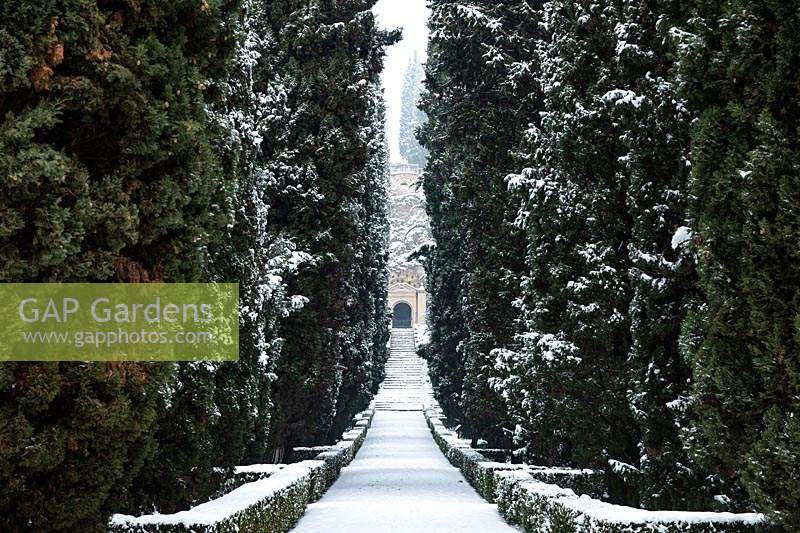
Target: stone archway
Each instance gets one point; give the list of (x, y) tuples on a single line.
[(401, 315), (414, 297)]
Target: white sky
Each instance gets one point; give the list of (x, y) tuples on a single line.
[(412, 17)]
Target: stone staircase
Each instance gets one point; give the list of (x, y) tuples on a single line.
[(406, 387)]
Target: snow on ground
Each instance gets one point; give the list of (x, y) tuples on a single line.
[(405, 387), (401, 482)]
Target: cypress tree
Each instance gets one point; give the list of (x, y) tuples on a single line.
[(217, 416), (655, 134), (259, 257), (367, 334), (443, 261), (570, 376), (110, 174), (480, 96), (411, 116), (334, 56), (739, 73)]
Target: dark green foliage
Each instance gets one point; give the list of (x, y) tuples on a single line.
[(595, 377), (663, 279), (567, 387), (217, 415), (180, 471), (444, 262), (368, 332), (545, 501), (411, 116), (109, 173), (252, 254), (577, 328), (478, 102), (329, 201), (443, 276), (72, 436), (740, 74)]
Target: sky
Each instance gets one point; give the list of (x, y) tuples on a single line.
[(412, 17)]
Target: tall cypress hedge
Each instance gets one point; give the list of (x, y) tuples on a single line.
[(333, 57), (109, 174), (476, 101), (655, 181), (202, 140), (739, 72)]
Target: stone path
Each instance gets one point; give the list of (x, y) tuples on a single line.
[(400, 481)]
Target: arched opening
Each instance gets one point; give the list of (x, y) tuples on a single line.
[(401, 315)]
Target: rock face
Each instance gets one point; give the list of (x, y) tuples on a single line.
[(408, 231)]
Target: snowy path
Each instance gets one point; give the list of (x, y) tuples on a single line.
[(405, 387), (400, 481)]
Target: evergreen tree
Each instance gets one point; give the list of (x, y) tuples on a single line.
[(411, 116), (480, 97), (739, 74), (443, 262), (367, 335), (569, 382), (334, 56), (655, 135), (110, 174), (217, 415)]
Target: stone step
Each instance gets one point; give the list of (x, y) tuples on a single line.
[(405, 387)]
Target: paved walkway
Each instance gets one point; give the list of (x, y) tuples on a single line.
[(405, 387), (400, 481)]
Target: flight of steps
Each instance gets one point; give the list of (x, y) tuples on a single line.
[(406, 387)]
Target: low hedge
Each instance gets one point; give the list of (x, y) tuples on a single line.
[(246, 474), (544, 500), (499, 455), (544, 508), (582, 481), (306, 453), (480, 472), (273, 503)]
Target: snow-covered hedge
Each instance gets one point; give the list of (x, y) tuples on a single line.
[(544, 500), (271, 504), (543, 508), (480, 472), (582, 481), (305, 453), (246, 474), (274, 503)]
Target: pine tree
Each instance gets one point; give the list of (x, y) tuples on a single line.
[(110, 174), (739, 73), (411, 116)]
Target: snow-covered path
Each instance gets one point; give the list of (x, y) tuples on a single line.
[(400, 481)]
